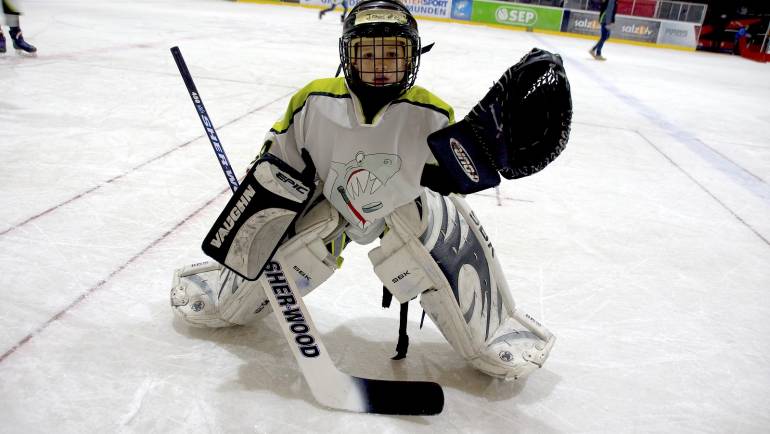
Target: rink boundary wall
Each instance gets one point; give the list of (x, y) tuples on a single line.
[(296, 3)]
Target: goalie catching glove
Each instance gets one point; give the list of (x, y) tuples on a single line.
[(518, 128)]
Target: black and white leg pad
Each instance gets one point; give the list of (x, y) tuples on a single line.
[(436, 246)]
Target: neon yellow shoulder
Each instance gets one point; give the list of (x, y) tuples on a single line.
[(423, 97), (333, 87)]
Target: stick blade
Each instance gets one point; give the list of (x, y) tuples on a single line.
[(407, 398)]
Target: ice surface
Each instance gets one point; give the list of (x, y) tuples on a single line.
[(644, 247)]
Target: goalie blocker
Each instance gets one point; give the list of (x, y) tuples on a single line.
[(263, 209), (518, 128)]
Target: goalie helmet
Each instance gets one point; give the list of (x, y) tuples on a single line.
[(380, 48)]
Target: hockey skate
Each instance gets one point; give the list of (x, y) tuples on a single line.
[(595, 55), (22, 47), (2, 43)]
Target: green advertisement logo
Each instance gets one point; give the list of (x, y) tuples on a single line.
[(498, 12), (516, 16)]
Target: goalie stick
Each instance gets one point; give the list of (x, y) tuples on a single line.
[(329, 386)]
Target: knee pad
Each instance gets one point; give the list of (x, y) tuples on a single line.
[(401, 261), (310, 256)]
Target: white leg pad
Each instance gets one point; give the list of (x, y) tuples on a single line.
[(468, 297), (209, 295)]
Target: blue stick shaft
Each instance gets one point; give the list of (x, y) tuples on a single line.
[(205, 120)]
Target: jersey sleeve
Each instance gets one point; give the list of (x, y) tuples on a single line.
[(288, 135), (284, 140), (442, 113)]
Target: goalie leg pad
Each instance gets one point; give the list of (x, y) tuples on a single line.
[(210, 295), (468, 298)]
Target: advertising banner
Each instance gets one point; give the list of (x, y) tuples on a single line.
[(418, 8), (580, 22), (516, 14), (461, 9), (429, 8), (678, 33), (634, 29)]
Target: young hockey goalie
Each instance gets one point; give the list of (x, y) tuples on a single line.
[(372, 156)]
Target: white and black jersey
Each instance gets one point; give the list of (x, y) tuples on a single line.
[(367, 169)]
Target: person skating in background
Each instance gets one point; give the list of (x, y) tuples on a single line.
[(333, 6), (607, 12), (11, 11)]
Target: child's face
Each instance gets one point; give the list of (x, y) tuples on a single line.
[(380, 61)]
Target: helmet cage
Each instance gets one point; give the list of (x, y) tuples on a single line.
[(379, 42)]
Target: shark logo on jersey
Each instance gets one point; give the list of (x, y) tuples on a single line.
[(355, 187)]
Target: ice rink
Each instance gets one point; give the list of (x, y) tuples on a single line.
[(645, 247)]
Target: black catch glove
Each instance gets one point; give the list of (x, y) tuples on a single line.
[(518, 128)]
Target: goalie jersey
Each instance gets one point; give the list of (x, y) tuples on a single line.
[(367, 170)]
